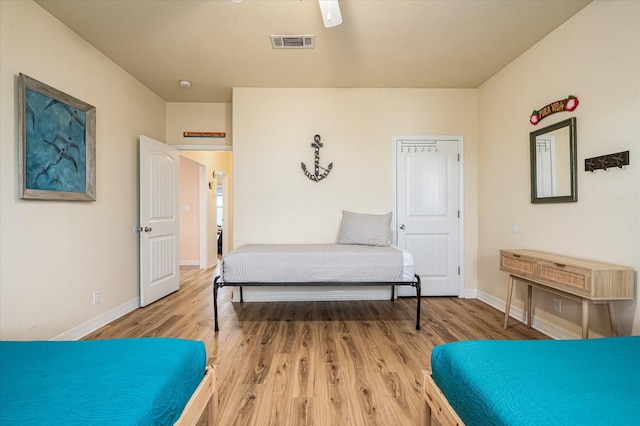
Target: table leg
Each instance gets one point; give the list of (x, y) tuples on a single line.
[(614, 320), (508, 306), (585, 319)]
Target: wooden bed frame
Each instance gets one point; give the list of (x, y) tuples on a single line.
[(436, 405), (217, 284), (204, 398)]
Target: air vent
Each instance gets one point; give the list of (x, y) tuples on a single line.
[(293, 41)]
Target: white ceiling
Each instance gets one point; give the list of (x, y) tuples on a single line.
[(219, 44)]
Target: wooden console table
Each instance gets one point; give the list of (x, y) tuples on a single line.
[(585, 281)]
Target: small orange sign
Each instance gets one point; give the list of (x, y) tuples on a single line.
[(204, 134)]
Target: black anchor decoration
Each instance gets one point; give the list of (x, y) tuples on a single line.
[(316, 176)]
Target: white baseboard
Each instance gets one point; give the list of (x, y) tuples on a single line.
[(92, 325), (189, 263), (519, 314)]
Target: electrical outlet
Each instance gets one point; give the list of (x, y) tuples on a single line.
[(96, 297), (558, 305)]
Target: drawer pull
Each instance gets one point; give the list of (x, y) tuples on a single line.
[(560, 265), (516, 255)]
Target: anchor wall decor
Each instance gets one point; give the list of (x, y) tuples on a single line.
[(316, 176)]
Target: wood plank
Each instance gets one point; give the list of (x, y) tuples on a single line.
[(203, 401), (440, 408), (348, 363)]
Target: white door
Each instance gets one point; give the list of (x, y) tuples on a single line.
[(159, 220), (546, 166), (427, 211)]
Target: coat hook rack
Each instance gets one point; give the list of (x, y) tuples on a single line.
[(604, 162)]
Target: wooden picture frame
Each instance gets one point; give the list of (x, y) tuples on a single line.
[(57, 144)]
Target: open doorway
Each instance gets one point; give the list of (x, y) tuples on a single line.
[(209, 227)]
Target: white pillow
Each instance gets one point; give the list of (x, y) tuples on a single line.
[(365, 229)]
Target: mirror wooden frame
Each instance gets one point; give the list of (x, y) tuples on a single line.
[(573, 163)]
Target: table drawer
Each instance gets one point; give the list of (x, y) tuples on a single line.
[(565, 275), (517, 264)]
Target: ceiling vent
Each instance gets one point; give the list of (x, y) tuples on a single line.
[(293, 41)]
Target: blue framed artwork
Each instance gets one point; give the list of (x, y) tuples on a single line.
[(57, 149)]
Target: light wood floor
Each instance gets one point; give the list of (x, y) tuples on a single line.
[(315, 363)]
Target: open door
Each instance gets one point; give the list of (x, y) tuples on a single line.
[(159, 220)]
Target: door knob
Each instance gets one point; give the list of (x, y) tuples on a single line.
[(402, 226), (147, 229)]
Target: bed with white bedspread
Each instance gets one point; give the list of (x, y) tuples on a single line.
[(362, 256)]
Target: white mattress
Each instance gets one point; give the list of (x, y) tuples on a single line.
[(313, 263), (408, 270)]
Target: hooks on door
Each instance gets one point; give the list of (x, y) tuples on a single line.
[(418, 146)]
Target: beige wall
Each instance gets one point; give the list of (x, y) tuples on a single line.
[(189, 212), (273, 129), (596, 57), (53, 255), (198, 117)]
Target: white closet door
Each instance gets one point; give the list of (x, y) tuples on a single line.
[(427, 212)]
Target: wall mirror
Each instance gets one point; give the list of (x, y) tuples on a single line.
[(554, 163)]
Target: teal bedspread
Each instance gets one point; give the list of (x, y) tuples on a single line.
[(543, 382), (143, 381)]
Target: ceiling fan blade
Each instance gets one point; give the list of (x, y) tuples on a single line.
[(331, 15)]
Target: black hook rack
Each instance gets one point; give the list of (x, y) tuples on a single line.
[(604, 162)]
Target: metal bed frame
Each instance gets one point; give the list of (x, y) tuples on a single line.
[(218, 284)]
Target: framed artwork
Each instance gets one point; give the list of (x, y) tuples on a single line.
[(57, 144)]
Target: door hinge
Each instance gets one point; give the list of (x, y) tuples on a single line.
[(458, 270), (458, 157), (458, 214)]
